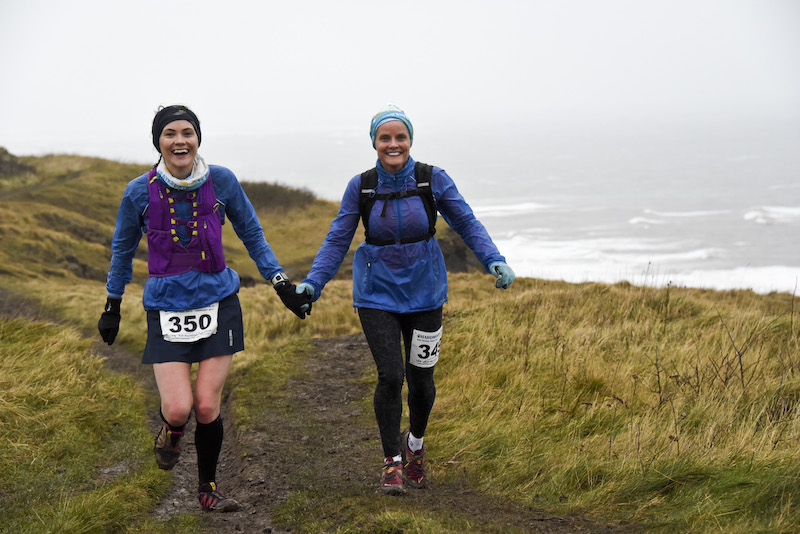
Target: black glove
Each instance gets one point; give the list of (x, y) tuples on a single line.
[(108, 325), (299, 304)]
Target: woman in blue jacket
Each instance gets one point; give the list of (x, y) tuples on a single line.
[(193, 311), (400, 282)]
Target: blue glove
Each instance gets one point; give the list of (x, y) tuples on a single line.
[(308, 291), (504, 273)]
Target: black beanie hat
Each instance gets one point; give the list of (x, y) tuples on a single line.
[(174, 113)]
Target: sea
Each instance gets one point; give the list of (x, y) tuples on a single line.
[(707, 205)]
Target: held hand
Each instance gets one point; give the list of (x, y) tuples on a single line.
[(308, 291), (298, 304), (108, 325), (504, 273)]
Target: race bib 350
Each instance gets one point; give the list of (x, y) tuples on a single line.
[(425, 348), (190, 325)]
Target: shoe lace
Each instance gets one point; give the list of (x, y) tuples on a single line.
[(415, 465), (392, 472), (210, 497)]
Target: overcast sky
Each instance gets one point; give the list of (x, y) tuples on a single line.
[(76, 69)]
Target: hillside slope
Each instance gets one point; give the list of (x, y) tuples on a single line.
[(57, 216), (666, 409)]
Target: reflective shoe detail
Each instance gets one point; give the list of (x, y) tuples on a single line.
[(212, 500), (413, 464), (167, 448), (392, 478)]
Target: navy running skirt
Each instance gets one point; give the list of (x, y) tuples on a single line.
[(228, 339)]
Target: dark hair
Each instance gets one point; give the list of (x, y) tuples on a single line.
[(168, 114)]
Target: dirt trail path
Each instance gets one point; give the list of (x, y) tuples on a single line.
[(319, 434), (320, 430)]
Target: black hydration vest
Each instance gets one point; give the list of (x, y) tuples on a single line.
[(369, 181)]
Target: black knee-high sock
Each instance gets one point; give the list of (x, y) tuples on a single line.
[(208, 440)]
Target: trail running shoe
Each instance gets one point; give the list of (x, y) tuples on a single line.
[(167, 448), (413, 464), (392, 478), (212, 500)]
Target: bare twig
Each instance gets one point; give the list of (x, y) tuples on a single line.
[(740, 352)]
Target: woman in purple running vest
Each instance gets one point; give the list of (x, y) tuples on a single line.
[(193, 311)]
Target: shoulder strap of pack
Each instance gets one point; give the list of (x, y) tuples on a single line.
[(367, 197), (423, 173)]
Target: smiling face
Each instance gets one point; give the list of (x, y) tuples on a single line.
[(393, 144), (178, 143)]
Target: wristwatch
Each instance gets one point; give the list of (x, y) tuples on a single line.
[(280, 280)]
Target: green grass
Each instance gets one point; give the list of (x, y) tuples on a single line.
[(72, 436), (355, 514), (671, 406), (677, 408)]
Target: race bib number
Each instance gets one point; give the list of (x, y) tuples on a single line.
[(425, 348), (191, 325)]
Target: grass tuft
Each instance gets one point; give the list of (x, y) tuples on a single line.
[(65, 421)]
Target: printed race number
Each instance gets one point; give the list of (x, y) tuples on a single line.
[(190, 325), (425, 348)]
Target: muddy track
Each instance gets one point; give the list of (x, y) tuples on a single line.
[(319, 433)]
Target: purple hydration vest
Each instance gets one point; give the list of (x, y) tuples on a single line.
[(167, 256)]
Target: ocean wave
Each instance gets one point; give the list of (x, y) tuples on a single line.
[(768, 279), (684, 256), (778, 187), (763, 280), (645, 221), (697, 213), (773, 214), (509, 210), (622, 250), (594, 261)]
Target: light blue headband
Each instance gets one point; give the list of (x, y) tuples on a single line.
[(390, 113)]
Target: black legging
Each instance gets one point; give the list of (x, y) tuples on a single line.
[(382, 330)]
